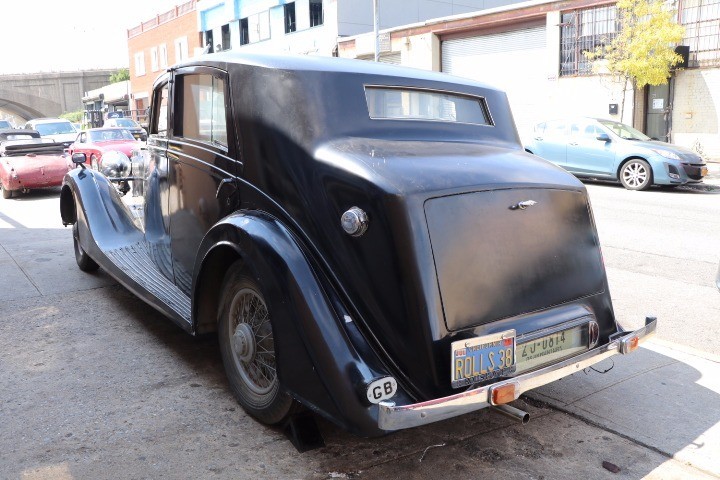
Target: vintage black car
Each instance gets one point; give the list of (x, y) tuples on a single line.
[(368, 241)]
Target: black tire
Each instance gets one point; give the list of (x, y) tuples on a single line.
[(84, 262), (636, 174), (6, 193), (248, 351)]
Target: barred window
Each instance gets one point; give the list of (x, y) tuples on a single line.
[(584, 31), (701, 19)]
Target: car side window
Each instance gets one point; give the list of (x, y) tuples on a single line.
[(160, 111), (591, 131), (574, 130), (201, 99), (555, 129)]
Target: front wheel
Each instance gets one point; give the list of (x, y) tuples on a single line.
[(84, 262), (636, 174), (248, 349)]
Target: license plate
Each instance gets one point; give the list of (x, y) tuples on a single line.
[(551, 348), (482, 358)]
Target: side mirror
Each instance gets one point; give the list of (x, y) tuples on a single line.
[(603, 137), (79, 158)]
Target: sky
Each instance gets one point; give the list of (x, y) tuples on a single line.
[(70, 35)]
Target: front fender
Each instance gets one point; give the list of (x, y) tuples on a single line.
[(88, 198), (323, 360)]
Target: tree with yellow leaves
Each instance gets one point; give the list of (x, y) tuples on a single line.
[(643, 51)]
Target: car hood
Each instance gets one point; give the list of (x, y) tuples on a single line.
[(62, 137), (123, 146), (685, 154)]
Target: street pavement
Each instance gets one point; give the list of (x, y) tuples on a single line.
[(653, 414)]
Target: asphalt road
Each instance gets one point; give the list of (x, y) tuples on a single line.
[(661, 251), (94, 384)]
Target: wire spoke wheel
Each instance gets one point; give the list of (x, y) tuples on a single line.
[(252, 341), (247, 345)]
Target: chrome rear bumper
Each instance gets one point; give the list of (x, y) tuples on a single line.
[(398, 417)]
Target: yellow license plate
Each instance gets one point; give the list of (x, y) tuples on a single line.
[(483, 358)]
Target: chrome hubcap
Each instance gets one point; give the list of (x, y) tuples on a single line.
[(252, 341), (635, 174), (244, 343)]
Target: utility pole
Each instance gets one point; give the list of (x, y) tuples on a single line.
[(376, 14)]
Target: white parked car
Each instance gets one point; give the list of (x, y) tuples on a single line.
[(58, 129)]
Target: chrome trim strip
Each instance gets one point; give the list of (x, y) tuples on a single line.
[(398, 417)]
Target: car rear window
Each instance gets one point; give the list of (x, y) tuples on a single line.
[(392, 103)]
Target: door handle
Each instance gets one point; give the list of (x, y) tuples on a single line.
[(573, 143), (229, 185), (539, 138)]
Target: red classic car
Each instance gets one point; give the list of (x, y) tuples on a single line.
[(28, 161), (94, 142)]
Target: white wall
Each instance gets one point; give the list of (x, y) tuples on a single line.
[(696, 111), (356, 16)]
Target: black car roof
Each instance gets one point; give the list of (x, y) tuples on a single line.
[(310, 63)]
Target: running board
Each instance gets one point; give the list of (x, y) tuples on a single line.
[(134, 262)]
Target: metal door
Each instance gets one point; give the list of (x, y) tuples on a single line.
[(658, 108)]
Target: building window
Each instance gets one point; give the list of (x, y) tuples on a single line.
[(289, 17), (316, 13), (225, 37), (154, 64), (244, 37), (583, 31), (209, 41), (181, 49), (701, 19), (162, 54), (259, 26), (140, 64)]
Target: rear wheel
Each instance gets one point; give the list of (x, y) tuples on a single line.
[(248, 349), (85, 263), (636, 174)]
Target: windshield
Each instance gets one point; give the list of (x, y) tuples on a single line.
[(623, 131), (55, 128), (125, 122), (110, 135)]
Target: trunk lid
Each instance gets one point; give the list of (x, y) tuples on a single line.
[(496, 257)]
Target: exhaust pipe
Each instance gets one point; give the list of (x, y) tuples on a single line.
[(512, 412)]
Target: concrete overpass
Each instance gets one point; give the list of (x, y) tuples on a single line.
[(32, 95)]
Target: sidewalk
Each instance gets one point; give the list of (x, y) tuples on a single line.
[(662, 396), (713, 176)]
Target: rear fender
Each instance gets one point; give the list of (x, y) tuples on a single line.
[(322, 359)]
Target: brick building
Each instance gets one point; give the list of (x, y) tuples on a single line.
[(163, 40)]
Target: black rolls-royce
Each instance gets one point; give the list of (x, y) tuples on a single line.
[(368, 241)]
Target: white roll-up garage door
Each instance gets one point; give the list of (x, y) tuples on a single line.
[(514, 61)]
